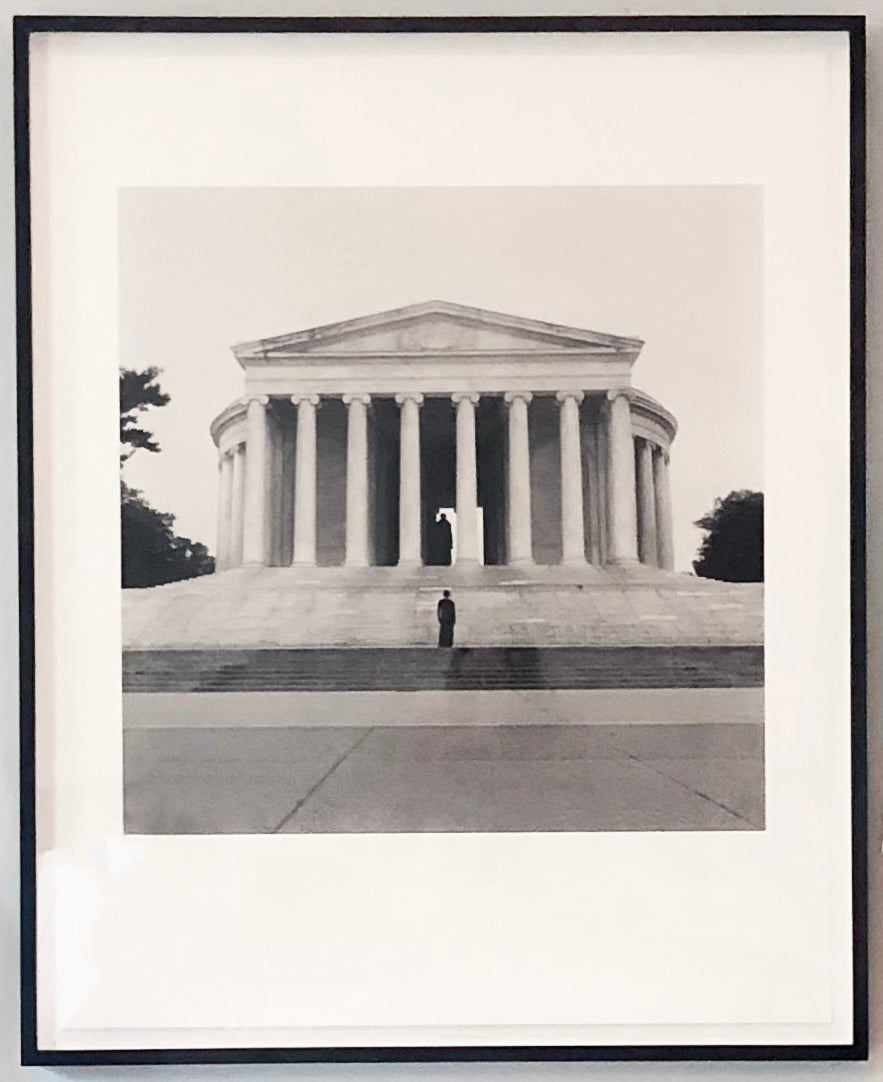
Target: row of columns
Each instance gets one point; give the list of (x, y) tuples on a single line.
[(654, 525), (637, 512)]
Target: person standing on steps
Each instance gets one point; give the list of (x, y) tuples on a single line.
[(447, 617)]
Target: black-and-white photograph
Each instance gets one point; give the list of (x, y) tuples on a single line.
[(442, 509)]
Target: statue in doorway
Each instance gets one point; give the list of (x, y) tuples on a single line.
[(442, 540)]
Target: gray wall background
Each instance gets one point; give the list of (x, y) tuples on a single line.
[(756, 1072)]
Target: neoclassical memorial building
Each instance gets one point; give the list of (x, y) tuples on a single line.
[(351, 438)]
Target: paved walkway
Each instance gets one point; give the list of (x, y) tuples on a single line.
[(586, 770), (344, 709)]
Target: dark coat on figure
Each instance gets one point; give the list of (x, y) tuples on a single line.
[(447, 617), (444, 539)]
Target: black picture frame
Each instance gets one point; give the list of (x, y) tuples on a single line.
[(24, 28)]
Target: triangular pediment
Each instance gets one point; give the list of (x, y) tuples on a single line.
[(434, 327)]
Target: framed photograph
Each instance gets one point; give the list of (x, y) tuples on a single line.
[(442, 570)]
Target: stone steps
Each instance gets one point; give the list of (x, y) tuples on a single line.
[(421, 669), (279, 607)]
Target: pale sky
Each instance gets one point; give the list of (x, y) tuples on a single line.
[(681, 268)]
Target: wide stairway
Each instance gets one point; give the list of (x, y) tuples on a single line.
[(371, 607), (460, 669)]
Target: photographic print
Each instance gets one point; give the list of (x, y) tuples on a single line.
[(439, 560)]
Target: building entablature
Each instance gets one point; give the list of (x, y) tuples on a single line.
[(430, 378), (651, 420)]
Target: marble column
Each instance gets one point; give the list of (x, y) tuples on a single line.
[(410, 509), (520, 536), (237, 504), (573, 546), (357, 479), (622, 511), (269, 486), (665, 556), (646, 502), (274, 494), (254, 512), (225, 506), (603, 491), (467, 480), (305, 480)]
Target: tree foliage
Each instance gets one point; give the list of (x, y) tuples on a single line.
[(138, 392), (152, 553), (732, 549)]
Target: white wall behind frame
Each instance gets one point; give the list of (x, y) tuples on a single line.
[(749, 1071)]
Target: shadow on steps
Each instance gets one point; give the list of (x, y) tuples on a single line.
[(456, 669)]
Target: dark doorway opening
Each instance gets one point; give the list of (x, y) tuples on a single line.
[(438, 458), (383, 472), (491, 427)]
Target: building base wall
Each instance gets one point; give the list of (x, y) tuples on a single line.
[(496, 606)]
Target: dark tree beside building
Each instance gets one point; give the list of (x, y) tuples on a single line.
[(139, 391), (152, 553), (732, 549)]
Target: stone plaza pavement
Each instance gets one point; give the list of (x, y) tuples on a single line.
[(316, 762)]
